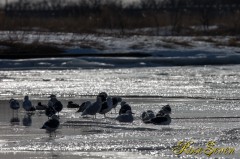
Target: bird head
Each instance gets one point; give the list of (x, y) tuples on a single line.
[(123, 103), (26, 98)]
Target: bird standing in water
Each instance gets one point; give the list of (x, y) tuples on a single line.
[(115, 101), (94, 108), (103, 96), (83, 106), (106, 106), (27, 105), (55, 104), (14, 105), (51, 125)]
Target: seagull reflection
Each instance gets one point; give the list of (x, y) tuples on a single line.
[(15, 121), (27, 120)]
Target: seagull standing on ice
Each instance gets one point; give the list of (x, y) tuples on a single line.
[(54, 103), (106, 106), (94, 108), (115, 101), (50, 111), (51, 125), (14, 105), (27, 104)]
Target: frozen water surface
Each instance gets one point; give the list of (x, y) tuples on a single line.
[(214, 82), (204, 100)]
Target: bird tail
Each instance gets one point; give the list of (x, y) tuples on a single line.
[(83, 113)]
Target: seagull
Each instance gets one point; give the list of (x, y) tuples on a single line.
[(115, 101), (127, 117), (83, 106), (14, 105), (106, 106), (53, 99), (51, 125), (72, 105), (94, 108), (41, 107), (56, 104), (124, 108), (50, 111), (27, 104), (147, 116), (161, 118)]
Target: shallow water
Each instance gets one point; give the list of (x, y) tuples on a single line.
[(205, 103)]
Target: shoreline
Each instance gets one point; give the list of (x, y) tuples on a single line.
[(63, 55)]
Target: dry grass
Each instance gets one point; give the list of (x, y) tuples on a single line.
[(110, 20), (113, 16), (234, 42), (34, 48)]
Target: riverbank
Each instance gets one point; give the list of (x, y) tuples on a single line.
[(111, 51)]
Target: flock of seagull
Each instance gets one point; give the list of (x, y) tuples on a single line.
[(103, 105)]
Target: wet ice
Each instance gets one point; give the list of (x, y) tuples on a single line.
[(195, 94)]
